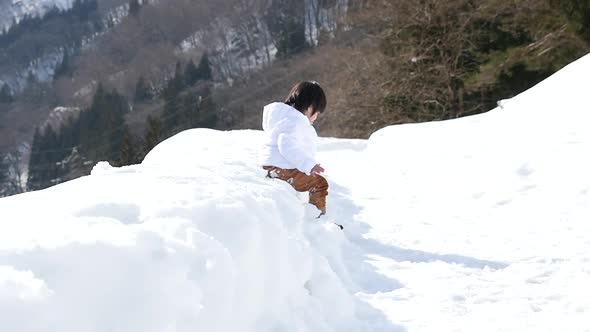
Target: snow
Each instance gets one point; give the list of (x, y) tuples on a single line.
[(185, 240), (473, 224), (486, 221), (43, 67), (17, 9)]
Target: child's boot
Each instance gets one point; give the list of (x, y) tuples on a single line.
[(323, 212)]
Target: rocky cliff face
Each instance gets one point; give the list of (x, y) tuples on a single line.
[(236, 46)]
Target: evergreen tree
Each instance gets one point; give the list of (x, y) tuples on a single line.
[(292, 38), (153, 134), (102, 126), (171, 114), (64, 67), (190, 109), (35, 162), (191, 73), (134, 7), (31, 78), (10, 174), (116, 124), (178, 80), (207, 109), (35, 37), (4, 176), (50, 167), (83, 9), (175, 85), (90, 122), (6, 94), (142, 91), (286, 22), (51, 154), (78, 9), (45, 163), (204, 69), (130, 154), (70, 133)]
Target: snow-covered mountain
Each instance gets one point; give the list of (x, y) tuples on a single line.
[(474, 224), (14, 10), (236, 47), (43, 67)]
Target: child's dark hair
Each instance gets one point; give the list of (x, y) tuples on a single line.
[(305, 94)]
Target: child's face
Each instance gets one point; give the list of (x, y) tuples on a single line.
[(308, 114)]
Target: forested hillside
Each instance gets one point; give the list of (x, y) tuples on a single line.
[(128, 75), (406, 61)]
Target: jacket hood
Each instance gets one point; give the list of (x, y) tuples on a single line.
[(275, 112)]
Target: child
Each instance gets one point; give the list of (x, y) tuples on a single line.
[(290, 144)]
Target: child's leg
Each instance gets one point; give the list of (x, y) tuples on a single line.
[(318, 190), (316, 185)]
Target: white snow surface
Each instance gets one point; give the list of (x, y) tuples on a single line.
[(474, 224)]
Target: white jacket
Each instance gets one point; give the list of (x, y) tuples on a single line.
[(290, 140)]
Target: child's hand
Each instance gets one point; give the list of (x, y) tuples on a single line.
[(317, 169)]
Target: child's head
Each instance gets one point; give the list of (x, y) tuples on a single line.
[(305, 95)]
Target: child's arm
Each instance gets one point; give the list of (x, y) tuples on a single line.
[(317, 169)]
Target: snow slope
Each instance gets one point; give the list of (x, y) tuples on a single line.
[(474, 224), (195, 237), (486, 221)]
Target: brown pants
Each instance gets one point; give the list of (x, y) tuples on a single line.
[(316, 185)]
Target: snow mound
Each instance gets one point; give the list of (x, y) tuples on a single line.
[(526, 140), (195, 238)]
